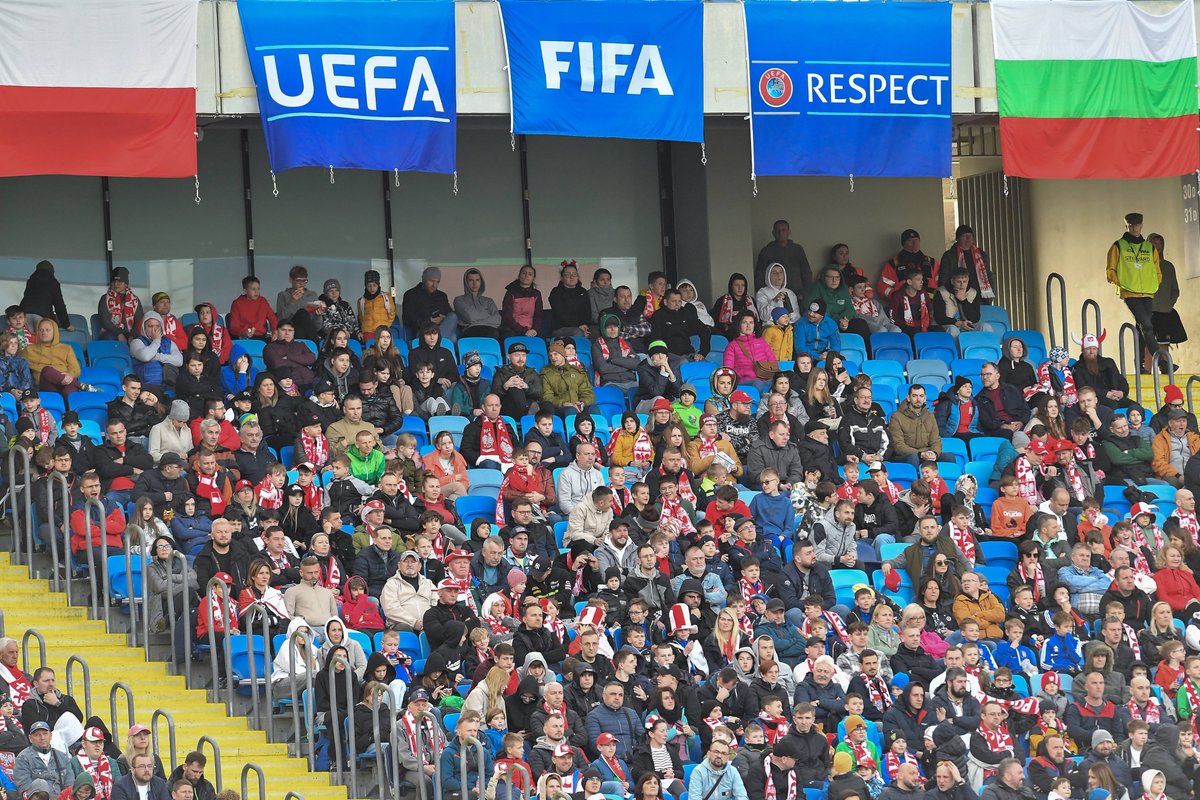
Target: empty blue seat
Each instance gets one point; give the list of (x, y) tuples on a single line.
[(902, 471), (446, 423), (109, 353), (936, 344), (982, 470), (956, 448), (1001, 555), (985, 447), (997, 317), (472, 506), (932, 370), (969, 368), (979, 344), (696, 372), (853, 347), (885, 371), (844, 581), (484, 477), (894, 346), (103, 376)]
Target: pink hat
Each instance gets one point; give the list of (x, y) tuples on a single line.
[(516, 578)]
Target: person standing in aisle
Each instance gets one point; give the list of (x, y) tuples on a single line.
[(1133, 268)]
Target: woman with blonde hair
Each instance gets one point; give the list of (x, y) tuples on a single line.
[(137, 743), (818, 400), (488, 696), (725, 640)]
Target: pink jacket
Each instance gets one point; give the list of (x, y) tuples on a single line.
[(736, 359)]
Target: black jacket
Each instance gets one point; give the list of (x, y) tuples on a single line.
[(675, 329), (1010, 398), (528, 640), (793, 587), (643, 762), (237, 562), (202, 789), (438, 357), (1161, 754), (36, 710), (439, 616), (152, 484), (815, 454), (860, 434), (138, 418), (652, 383), (376, 567), (104, 460), (398, 512), (571, 307), (756, 778), (815, 756), (43, 295)]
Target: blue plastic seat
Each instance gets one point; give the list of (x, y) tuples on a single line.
[(1000, 554), (120, 582), (885, 371), (956, 448), (931, 370), (853, 347), (936, 344), (892, 549), (979, 344), (416, 426), (471, 507), (902, 471), (100, 352), (904, 595), (599, 423), (105, 377), (78, 341), (610, 395), (53, 402), (1163, 493), (485, 477), (1035, 343), (696, 372), (996, 316), (969, 368), (446, 423), (893, 346), (984, 448), (488, 349), (536, 346), (560, 530), (950, 471), (844, 581)]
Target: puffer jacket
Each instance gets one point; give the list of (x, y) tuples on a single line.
[(566, 384), (571, 307), (864, 434), (914, 431), (377, 311), (616, 368), (55, 354), (833, 540), (781, 339), (948, 411), (522, 307), (14, 373), (743, 351), (1161, 446), (476, 309)]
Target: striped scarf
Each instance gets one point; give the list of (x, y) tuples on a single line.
[(877, 689), (978, 267), (749, 589), (19, 689), (1026, 481), (1188, 521), (1152, 715), (894, 760), (123, 308), (101, 772), (965, 541)]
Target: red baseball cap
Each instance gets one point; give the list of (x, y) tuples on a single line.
[(740, 397), (1040, 447)]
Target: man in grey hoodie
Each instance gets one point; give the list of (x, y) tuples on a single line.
[(839, 547), (477, 313)]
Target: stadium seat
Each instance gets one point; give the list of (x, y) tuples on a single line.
[(1000, 554), (996, 316), (969, 368), (484, 477), (104, 376), (984, 448), (80, 323), (902, 471), (853, 347), (696, 372), (534, 344), (78, 341), (893, 346), (598, 421), (903, 596), (110, 354), (979, 344), (416, 426), (891, 550), (932, 370), (956, 448), (446, 423), (886, 371), (1035, 343), (8, 404), (472, 507), (488, 349), (950, 471), (560, 530), (53, 402), (121, 582), (936, 344), (92, 422), (1163, 493), (610, 395), (844, 581)]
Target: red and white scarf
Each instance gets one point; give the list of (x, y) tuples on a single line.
[(978, 267), (496, 625), (858, 749), (1188, 521), (331, 578), (206, 487), (1039, 580), (746, 626), (16, 724), (877, 691), (839, 627), (614, 766), (673, 514), (494, 441), (101, 772), (1134, 645), (280, 561), (312, 499), (894, 760), (43, 421), (621, 498), (864, 306), (409, 724), (622, 345), (123, 309), (1026, 481), (890, 490), (1070, 395), (269, 495), (1147, 796), (1139, 537), (937, 489), (1075, 480), (1193, 696), (216, 337), (997, 741), (1152, 715), (915, 318), (220, 611), (729, 307), (19, 689), (685, 485), (771, 793), (706, 447), (316, 448), (643, 450), (749, 589), (652, 303), (965, 541)]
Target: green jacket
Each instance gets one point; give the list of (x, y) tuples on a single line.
[(367, 468), (566, 384), (837, 301)]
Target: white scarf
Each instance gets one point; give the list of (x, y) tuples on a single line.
[(771, 791), (1026, 482), (1188, 521), (19, 689)]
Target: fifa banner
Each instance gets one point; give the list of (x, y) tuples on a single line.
[(368, 84), (859, 89), (624, 69)]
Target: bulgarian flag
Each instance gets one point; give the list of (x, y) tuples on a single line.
[(1095, 89), (98, 87)]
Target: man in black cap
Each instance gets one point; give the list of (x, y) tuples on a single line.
[(518, 386), (284, 352), (966, 254), (816, 332), (549, 579), (420, 738), (166, 487), (773, 775), (782, 250), (1135, 270), (119, 311), (910, 258), (815, 450)]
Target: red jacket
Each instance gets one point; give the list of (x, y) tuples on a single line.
[(229, 435), (1176, 587), (361, 614), (245, 313), (114, 530)]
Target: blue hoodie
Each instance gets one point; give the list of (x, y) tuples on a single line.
[(774, 515), (234, 382), (1062, 653)]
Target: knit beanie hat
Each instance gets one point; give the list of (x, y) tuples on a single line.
[(842, 762), (515, 578)]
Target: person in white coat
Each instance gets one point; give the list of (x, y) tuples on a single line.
[(776, 295)]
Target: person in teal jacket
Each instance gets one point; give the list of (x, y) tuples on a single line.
[(454, 753), (816, 331)]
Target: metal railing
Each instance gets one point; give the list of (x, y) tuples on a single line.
[(1052, 279), (1155, 373), (481, 775), (1, 622), (58, 480), (376, 701), (335, 724), (507, 777), (1083, 319), (132, 594), (16, 487), (247, 768), (216, 758), (293, 796), (1187, 391), (112, 705), (305, 636), (186, 617), (1137, 356), (79, 661), (435, 754), (260, 609), (98, 606), (227, 654), (161, 713), (32, 633)]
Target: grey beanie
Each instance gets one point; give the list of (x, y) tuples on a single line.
[(431, 274), (180, 411), (332, 283)]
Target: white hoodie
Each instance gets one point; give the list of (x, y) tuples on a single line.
[(765, 298)]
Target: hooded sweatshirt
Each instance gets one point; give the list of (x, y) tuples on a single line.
[(701, 311), (55, 354), (601, 298), (476, 309), (767, 297), (522, 309), (837, 301)]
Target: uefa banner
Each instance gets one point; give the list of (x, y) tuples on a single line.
[(843, 89), (368, 84), (625, 69)]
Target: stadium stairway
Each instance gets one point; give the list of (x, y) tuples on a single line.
[(29, 603)]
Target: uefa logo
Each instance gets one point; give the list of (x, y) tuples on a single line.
[(775, 87)]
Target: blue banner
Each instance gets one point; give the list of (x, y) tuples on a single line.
[(368, 84), (850, 88), (625, 69)]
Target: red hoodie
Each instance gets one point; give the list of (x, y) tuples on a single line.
[(245, 313)]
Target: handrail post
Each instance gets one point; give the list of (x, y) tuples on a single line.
[(161, 713), (41, 640), (1083, 315), (54, 481), (88, 504), (305, 636), (336, 724), (250, 657), (435, 754), (112, 704), (471, 741), (1052, 279), (507, 777), (25, 486), (262, 780), (1, 622), (380, 769), (216, 748), (212, 644), (1187, 391), (87, 681), (293, 796), (132, 595), (394, 738), (1137, 360), (186, 617)]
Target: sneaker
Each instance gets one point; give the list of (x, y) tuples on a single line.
[(222, 683), (87, 387)]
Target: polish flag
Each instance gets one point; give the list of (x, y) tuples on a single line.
[(98, 87)]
